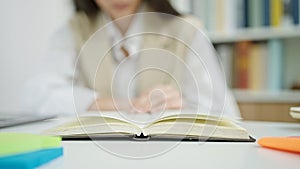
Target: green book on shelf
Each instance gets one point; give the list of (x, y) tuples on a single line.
[(255, 13), (13, 143), (275, 60), (211, 16)]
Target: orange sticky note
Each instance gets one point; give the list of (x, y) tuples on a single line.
[(290, 144)]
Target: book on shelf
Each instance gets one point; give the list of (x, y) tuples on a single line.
[(230, 16), (255, 13), (211, 19), (226, 16), (225, 52), (258, 63), (287, 18), (276, 12), (172, 126), (295, 11), (295, 112), (298, 11), (220, 18), (253, 65), (242, 54), (245, 4), (266, 13), (275, 65), (220, 15), (240, 21)]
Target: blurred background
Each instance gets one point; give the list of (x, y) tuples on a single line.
[(257, 40), (26, 27)]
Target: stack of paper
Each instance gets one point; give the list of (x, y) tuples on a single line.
[(19, 150), (295, 112)]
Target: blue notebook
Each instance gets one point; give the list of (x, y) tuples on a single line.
[(30, 160)]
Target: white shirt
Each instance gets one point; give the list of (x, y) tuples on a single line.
[(132, 45), (51, 91)]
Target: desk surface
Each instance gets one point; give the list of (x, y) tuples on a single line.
[(87, 154)]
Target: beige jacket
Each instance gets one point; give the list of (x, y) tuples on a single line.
[(165, 42)]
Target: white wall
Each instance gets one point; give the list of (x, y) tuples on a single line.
[(25, 29)]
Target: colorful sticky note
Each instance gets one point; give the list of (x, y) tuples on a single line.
[(30, 160), (12, 143), (290, 144)]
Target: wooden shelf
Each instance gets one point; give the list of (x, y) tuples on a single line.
[(255, 34), (285, 96)]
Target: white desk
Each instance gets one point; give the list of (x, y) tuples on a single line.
[(86, 154)]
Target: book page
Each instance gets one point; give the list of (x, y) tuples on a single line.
[(94, 124), (143, 120), (130, 123), (182, 125)]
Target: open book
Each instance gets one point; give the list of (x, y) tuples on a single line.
[(169, 127)]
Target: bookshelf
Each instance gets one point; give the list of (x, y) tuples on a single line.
[(254, 34), (266, 25), (284, 96)]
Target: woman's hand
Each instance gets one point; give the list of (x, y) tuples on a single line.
[(158, 99), (106, 104)]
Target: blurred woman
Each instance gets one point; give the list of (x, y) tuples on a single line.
[(106, 49)]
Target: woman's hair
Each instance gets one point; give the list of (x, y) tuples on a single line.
[(91, 9)]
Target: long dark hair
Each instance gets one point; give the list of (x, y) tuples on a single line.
[(91, 9)]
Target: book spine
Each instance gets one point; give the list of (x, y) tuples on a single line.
[(240, 14), (257, 67), (246, 13), (295, 11), (287, 19), (220, 18), (255, 13), (254, 68), (199, 10), (242, 64), (231, 19), (211, 17), (264, 53), (276, 12), (275, 65), (266, 12), (226, 54)]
